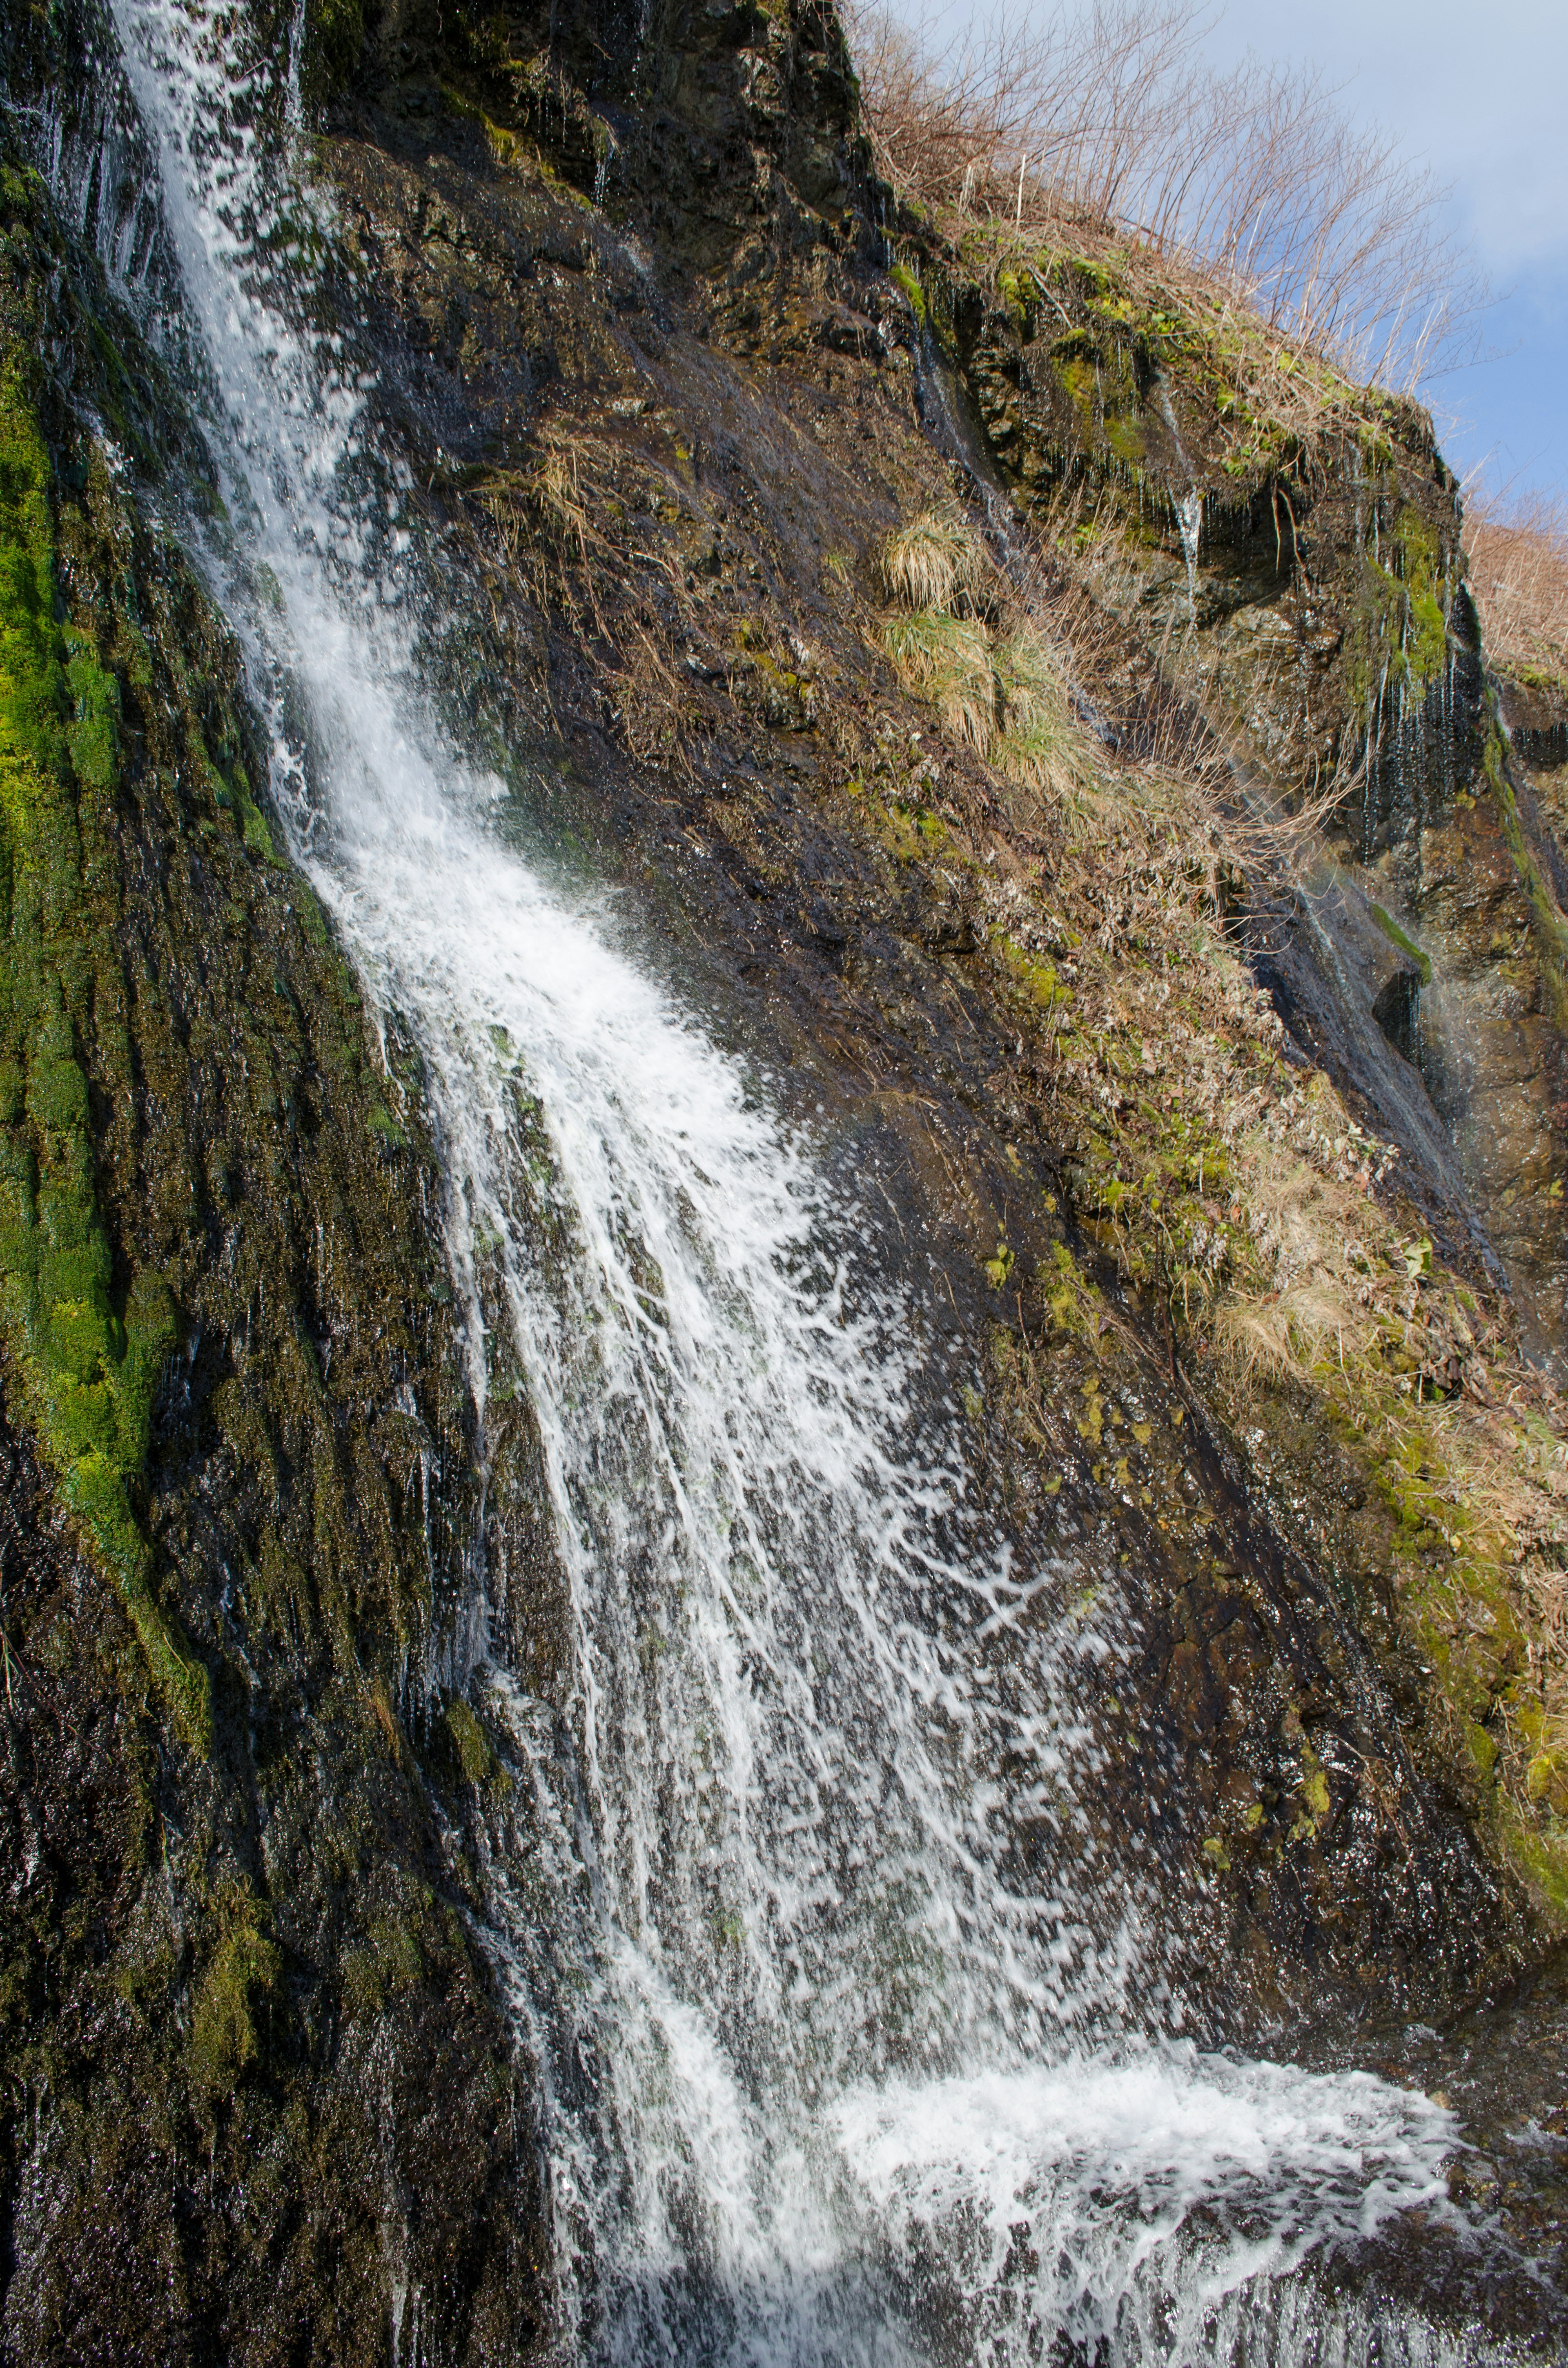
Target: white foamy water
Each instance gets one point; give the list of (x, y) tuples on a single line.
[(824, 2008), (1128, 2198)]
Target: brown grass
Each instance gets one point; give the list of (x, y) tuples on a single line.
[(1518, 572), (932, 561), (962, 639), (946, 660), (1113, 121)]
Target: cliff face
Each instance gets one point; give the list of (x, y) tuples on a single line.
[(242, 2021), (1130, 1093), (1292, 545)]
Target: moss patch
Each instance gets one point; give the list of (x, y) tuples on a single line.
[(88, 1353)]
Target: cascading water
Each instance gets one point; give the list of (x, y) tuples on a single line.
[(834, 2063)]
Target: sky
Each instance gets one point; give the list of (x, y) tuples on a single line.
[(1478, 94)]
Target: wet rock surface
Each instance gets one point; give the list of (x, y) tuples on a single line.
[(255, 2072), (656, 439)]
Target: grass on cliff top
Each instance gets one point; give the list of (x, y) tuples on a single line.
[(1273, 400), (1068, 127)]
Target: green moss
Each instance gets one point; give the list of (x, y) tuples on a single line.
[(87, 1368), (904, 279), (474, 1754), (336, 41), (241, 1974), (999, 1267), (1036, 976), (1126, 439), (1544, 1858), (312, 919), (1396, 936), (1482, 1749), (256, 828), (385, 1128), (390, 1960), (1075, 374), (1398, 628), (1314, 1798)]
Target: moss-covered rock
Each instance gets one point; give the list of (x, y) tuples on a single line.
[(228, 1380)]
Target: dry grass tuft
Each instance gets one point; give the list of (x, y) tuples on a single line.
[(947, 659), (1518, 572), (1306, 1235), (1042, 745), (934, 561), (1003, 692)]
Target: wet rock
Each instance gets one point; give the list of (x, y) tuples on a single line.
[(634, 346)]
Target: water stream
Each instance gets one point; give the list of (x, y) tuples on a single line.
[(1189, 505), (832, 2070)]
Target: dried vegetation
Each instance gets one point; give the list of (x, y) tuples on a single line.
[(1517, 547), (966, 709), (1233, 1193), (1237, 1198), (1110, 122)]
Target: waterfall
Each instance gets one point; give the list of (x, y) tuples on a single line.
[(796, 1909)]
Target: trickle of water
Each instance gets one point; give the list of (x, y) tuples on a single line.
[(294, 111), (1190, 519), (609, 151), (797, 1908), (1189, 505)]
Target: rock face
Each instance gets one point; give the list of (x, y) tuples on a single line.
[(253, 2071), (634, 340), (1295, 551)]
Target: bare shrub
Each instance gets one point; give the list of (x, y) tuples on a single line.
[(1111, 119), (1518, 572)]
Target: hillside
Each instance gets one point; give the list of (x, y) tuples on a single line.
[(1038, 723)]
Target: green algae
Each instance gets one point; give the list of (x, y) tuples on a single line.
[(87, 1355), (1397, 629), (903, 277), (239, 1977), (1397, 937)]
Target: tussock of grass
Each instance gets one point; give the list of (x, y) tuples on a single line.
[(928, 563), (1042, 745), (1290, 1332), (1000, 691), (946, 660)]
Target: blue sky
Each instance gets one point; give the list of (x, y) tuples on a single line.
[(1478, 93)]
